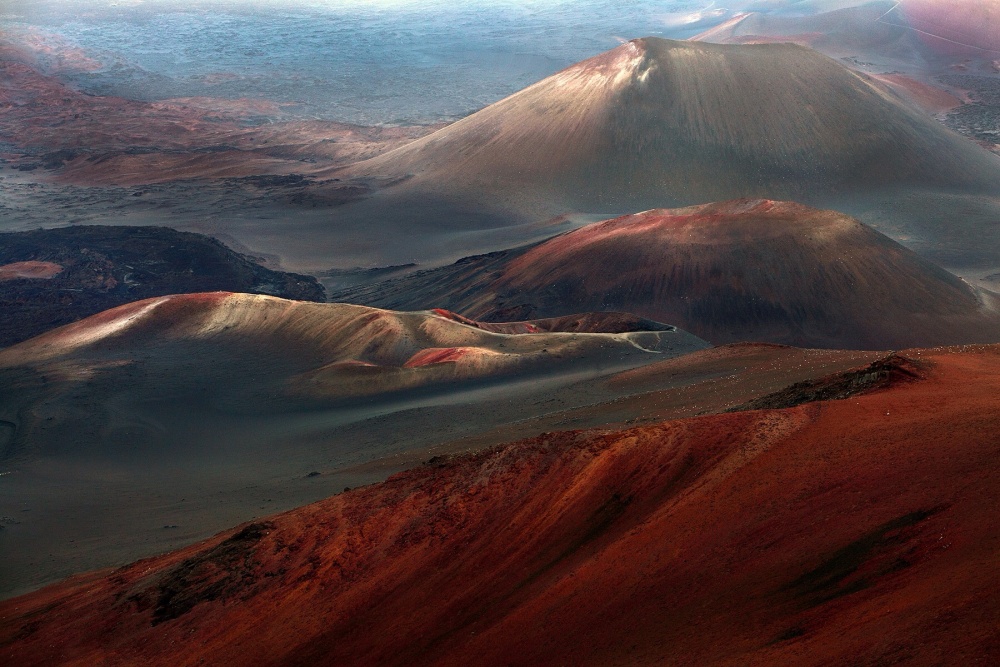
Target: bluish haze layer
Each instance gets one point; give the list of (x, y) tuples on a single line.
[(363, 62)]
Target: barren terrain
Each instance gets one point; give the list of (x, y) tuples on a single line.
[(844, 531), (753, 270), (162, 421), (652, 123), (51, 277), (508, 438)]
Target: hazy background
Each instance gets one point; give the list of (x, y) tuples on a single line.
[(362, 62)]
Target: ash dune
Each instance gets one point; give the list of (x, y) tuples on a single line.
[(795, 536), (740, 270), (326, 350), (180, 415), (657, 123), (51, 277)]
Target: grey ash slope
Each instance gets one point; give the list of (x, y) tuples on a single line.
[(659, 123)]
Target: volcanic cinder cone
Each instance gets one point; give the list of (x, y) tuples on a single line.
[(739, 270), (660, 122)]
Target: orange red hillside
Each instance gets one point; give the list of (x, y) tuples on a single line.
[(852, 531)]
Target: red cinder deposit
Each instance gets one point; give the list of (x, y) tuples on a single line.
[(438, 355), (851, 531), (740, 270), (30, 269), (96, 140), (757, 270)]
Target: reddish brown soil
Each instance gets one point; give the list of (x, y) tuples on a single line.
[(834, 31), (746, 269), (29, 269), (39, 111), (932, 28), (926, 96), (437, 355), (46, 51), (730, 33), (854, 531), (713, 380), (956, 27), (96, 140)]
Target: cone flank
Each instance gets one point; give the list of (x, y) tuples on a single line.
[(747, 269), (656, 122)]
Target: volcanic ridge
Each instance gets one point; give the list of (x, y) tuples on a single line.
[(50, 277), (333, 349)]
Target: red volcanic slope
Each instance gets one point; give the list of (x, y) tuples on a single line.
[(855, 531), (757, 270), (955, 27), (928, 28), (926, 96), (73, 120), (45, 50), (731, 271), (842, 30)]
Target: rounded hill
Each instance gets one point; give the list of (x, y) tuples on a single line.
[(732, 271)]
